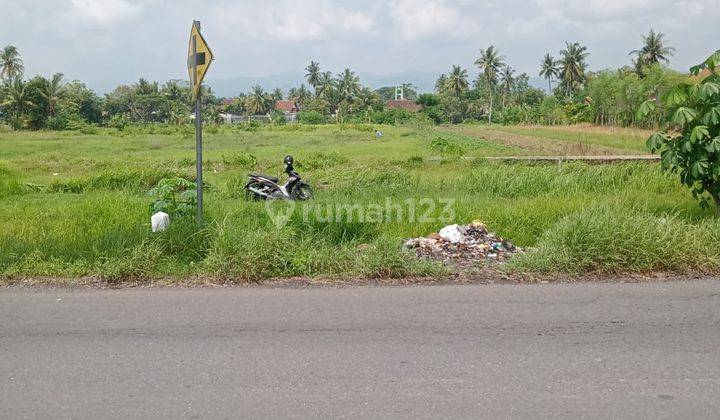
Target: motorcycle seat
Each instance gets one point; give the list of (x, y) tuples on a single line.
[(268, 177)]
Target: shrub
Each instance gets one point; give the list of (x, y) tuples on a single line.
[(174, 196), (691, 147), (446, 146), (311, 117)]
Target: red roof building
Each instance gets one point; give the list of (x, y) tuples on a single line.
[(288, 107), (405, 104)]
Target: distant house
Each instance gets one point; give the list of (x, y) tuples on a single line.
[(288, 107), (405, 104), (227, 101)]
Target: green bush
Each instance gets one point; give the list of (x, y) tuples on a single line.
[(175, 196), (446, 147), (311, 117)]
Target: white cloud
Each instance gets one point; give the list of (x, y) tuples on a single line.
[(418, 19), (102, 12), (288, 21), (607, 18)]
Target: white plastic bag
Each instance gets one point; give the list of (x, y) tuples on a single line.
[(452, 234), (160, 221)]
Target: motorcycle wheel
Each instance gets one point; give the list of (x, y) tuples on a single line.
[(252, 196), (301, 192)]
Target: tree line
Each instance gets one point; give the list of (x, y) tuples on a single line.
[(574, 93), (497, 95)]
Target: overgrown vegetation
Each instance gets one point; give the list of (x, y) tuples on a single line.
[(77, 205), (691, 145)]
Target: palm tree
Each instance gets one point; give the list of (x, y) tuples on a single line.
[(572, 65), (313, 74), (258, 101), (277, 95), (549, 69), (16, 101), (490, 62), (299, 95), (325, 84), (143, 87), (654, 49), (172, 91), (52, 91), (348, 83), (637, 65), (441, 83), (12, 64), (507, 81), (365, 98), (457, 81)]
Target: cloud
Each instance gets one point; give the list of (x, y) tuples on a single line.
[(102, 13), (609, 18), (288, 20), (419, 19)]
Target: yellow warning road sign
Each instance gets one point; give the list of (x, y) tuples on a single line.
[(199, 58)]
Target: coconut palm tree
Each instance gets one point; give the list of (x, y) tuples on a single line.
[(52, 91), (654, 49), (365, 98), (172, 90), (507, 81), (12, 64), (16, 101), (490, 62), (457, 81), (144, 87), (258, 102), (549, 69), (313, 74), (277, 95), (573, 65), (637, 65), (299, 95), (441, 83), (348, 83), (325, 84)]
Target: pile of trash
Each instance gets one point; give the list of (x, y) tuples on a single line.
[(463, 245)]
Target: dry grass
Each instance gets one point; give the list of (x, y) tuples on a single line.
[(531, 145)]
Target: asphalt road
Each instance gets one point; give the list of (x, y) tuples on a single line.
[(559, 351)]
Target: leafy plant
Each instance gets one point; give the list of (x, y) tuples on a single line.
[(446, 147), (691, 145), (175, 196)]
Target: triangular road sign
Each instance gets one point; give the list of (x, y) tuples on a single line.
[(199, 58)]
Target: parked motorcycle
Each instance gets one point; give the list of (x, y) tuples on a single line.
[(265, 187)]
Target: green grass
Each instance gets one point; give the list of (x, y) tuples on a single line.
[(76, 205)]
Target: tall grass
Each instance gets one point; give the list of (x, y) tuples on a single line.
[(92, 219)]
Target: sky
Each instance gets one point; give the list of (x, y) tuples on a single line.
[(110, 42)]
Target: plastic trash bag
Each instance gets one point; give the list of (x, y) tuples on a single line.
[(452, 234), (160, 221)]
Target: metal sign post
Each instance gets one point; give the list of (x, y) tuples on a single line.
[(199, 59), (198, 155)]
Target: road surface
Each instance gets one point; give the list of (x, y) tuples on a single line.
[(490, 351)]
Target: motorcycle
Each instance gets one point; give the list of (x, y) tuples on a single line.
[(265, 187)]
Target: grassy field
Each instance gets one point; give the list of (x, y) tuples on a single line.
[(563, 140), (75, 204)]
